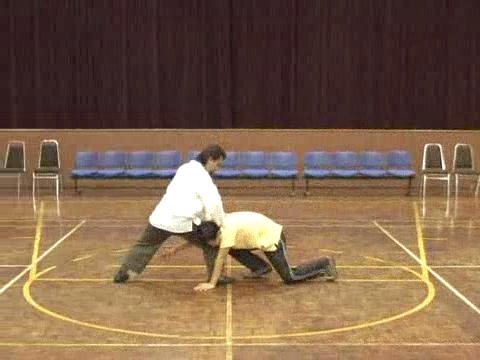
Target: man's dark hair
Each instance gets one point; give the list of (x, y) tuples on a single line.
[(207, 231), (214, 152)]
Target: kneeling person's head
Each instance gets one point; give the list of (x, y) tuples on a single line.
[(207, 232)]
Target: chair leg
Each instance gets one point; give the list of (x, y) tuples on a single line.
[(306, 187), (293, 188), (448, 186), (424, 186), (478, 185), (57, 181), (456, 185), (18, 187), (33, 187), (409, 189)]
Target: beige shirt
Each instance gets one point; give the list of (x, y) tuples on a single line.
[(191, 197), (249, 230)]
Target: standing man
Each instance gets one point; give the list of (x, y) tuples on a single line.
[(251, 230), (190, 204)]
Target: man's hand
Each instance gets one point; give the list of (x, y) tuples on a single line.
[(204, 287)]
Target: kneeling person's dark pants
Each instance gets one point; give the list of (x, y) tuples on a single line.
[(278, 259), (152, 238)]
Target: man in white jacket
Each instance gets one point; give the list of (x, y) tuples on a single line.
[(191, 202)]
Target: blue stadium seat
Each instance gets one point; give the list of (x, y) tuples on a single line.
[(192, 155), (230, 168), (167, 163), (400, 164), (317, 164), (86, 165), (140, 165), (253, 164), (345, 164), (113, 165), (284, 165), (372, 164)]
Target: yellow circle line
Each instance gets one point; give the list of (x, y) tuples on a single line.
[(428, 299)]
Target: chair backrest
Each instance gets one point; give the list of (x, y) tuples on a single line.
[(284, 160), (463, 157), (345, 160), (253, 159), (231, 162), (317, 159), (168, 159), (49, 154), (399, 159), (371, 160), (86, 160), (192, 155), (114, 159), (15, 156), (141, 160), (433, 157)]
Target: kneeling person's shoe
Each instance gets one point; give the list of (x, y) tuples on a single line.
[(331, 270), (258, 273), (123, 275)]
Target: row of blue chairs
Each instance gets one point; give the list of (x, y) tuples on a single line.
[(368, 164), (164, 164), (144, 164), (249, 164)]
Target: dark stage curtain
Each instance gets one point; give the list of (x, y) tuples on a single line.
[(240, 64)]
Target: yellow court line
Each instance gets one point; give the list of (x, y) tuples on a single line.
[(28, 297), (420, 306), (420, 241), (338, 266), (45, 271), (252, 344), (38, 238), (22, 238), (48, 251), (430, 270), (202, 279)]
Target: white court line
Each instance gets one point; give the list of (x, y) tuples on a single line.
[(82, 258), (48, 251), (12, 266), (429, 269)]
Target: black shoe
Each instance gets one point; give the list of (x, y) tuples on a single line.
[(258, 273), (225, 280), (331, 270), (121, 277)]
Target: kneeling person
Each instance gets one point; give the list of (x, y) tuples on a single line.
[(251, 230)]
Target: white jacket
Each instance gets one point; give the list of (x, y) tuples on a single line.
[(191, 196)]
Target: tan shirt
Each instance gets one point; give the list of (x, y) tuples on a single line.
[(249, 230)]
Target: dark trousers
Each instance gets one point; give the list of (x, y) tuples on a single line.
[(152, 238), (289, 275)]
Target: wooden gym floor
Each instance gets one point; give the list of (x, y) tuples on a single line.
[(408, 285)]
